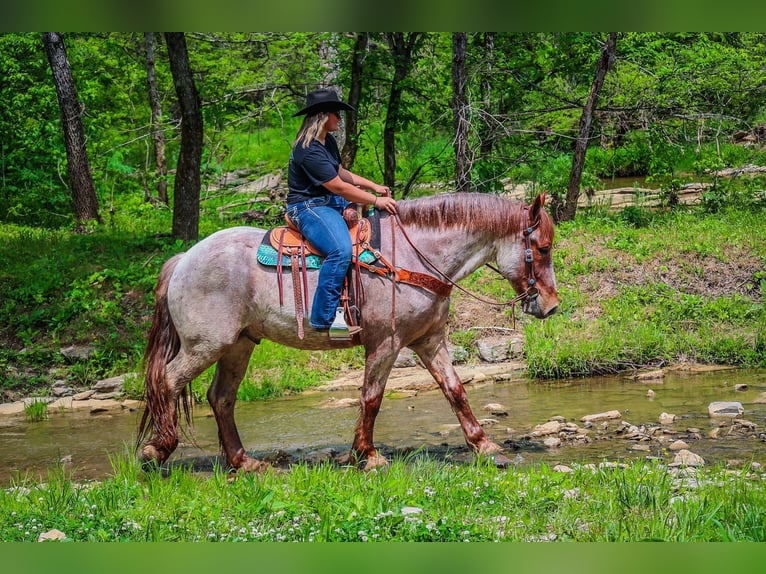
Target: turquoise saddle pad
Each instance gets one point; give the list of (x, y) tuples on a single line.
[(268, 256)]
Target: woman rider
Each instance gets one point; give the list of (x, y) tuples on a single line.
[(320, 188)]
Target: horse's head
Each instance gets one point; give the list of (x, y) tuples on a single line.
[(525, 260)]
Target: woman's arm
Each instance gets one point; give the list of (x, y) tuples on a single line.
[(349, 190), (364, 183)]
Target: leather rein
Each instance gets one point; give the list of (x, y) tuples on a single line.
[(531, 289)]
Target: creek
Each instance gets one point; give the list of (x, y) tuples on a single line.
[(303, 427)]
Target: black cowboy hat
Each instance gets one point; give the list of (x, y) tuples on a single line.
[(323, 100)]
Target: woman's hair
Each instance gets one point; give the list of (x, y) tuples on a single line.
[(312, 125)]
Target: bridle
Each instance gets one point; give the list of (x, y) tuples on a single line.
[(530, 292), (529, 259)]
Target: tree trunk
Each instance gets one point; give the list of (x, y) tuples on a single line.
[(186, 190), (78, 167), (581, 145), (460, 120), (348, 155), (156, 121), (402, 47), (485, 132)]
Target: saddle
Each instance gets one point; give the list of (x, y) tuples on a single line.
[(285, 246)]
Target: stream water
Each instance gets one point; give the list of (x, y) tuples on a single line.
[(300, 427)]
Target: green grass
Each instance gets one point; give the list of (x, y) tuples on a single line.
[(36, 410), (644, 320), (413, 500)]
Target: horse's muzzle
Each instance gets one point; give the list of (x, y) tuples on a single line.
[(534, 305)]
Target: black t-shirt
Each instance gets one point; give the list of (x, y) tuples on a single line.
[(310, 168)]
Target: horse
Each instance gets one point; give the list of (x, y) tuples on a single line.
[(215, 302)]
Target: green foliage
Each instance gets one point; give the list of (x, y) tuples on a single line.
[(414, 500), (36, 410), (650, 322)]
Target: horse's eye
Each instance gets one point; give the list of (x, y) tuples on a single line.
[(543, 250)]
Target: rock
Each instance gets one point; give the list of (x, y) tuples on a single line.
[(609, 415), (650, 375), (678, 445), (79, 352), (563, 468), (333, 403), (111, 385), (410, 510), (551, 427), (552, 442), (760, 399), (60, 389), (51, 535), (687, 458), (405, 358), (487, 422), (725, 409), (650, 393), (495, 409), (643, 447), (740, 387), (83, 395), (667, 419), (493, 349), (319, 456)]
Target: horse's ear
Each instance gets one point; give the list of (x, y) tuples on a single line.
[(537, 206)]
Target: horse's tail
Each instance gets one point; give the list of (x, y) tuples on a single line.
[(160, 414)]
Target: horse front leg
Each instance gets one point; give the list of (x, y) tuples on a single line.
[(433, 352), (376, 371)]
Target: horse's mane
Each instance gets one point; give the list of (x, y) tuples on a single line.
[(473, 211)]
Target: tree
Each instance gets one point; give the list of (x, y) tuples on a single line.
[(460, 110), (186, 190), (78, 167), (403, 47), (155, 106), (605, 62), (348, 155)]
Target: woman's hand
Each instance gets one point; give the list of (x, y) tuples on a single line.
[(382, 190), (387, 203)]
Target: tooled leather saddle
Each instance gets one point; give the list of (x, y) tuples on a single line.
[(285, 247)]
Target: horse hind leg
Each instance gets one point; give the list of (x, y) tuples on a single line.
[(222, 395), (377, 369), (166, 403)]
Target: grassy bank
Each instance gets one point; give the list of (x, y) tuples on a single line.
[(415, 500), (638, 288)]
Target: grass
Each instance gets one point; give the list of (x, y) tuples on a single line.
[(414, 500), (36, 410), (688, 285)]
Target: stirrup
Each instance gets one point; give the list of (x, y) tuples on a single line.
[(339, 330)]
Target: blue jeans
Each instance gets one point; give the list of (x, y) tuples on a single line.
[(321, 222)]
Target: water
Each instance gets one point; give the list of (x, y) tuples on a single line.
[(300, 425)]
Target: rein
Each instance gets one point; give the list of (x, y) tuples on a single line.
[(530, 291)]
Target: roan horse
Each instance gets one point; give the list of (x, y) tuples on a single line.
[(215, 302)]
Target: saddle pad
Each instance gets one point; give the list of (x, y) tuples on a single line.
[(267, 255)]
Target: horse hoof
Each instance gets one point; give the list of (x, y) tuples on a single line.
[(375, 462), (489, 447), (151, 458), (253, 465)]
